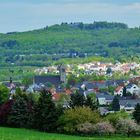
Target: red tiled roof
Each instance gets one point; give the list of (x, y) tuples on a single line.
[(118, 88)]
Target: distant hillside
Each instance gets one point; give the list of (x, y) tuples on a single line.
[(40, 46)]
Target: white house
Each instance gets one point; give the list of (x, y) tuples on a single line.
[(132, 88)]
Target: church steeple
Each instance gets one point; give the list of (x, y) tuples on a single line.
[(11, 80), (62, 70)]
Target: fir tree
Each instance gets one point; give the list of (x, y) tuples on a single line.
[(124, 92), (115, 104), (93, 104), (136, 113), (46, 113), (19, 113), (77, 99)]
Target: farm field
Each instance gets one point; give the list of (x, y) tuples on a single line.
[(23, 134)]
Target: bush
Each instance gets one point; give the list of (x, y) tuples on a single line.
[(77, 115), (125, 126), (86, 128), (114, 117), (104, 128), (4, 94)]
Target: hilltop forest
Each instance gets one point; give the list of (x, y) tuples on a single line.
[(69, 40)]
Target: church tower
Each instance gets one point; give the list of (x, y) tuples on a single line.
[(62, 70)]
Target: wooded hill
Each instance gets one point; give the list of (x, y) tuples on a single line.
[(38, 47)]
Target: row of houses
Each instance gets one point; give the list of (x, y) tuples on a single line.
[(101, 67), (55, 82)]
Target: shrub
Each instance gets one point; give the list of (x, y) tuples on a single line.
[(114, 117), (86, 128), (125, 126), (77, 115), (4, 94), (104, 128)]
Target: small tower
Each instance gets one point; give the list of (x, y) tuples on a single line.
[(11, 80), (62, 70)]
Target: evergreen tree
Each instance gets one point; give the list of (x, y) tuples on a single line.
[(124, 91), (46, 113), (77, 99), (136, 113), (91, 103), (19, 113), (115, 104)]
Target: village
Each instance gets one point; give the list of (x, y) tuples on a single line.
[(55, 79)]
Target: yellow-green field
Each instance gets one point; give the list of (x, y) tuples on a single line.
[(23, 134)]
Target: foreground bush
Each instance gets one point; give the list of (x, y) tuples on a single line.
[(114, 117), (77, 115), (104, 128), (86, 128), (129, 127)]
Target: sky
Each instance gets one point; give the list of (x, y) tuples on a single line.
[(24, 15)]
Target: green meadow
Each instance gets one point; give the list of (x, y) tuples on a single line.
[(24, 134)]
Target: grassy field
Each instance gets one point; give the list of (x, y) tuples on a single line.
[(23, 134)]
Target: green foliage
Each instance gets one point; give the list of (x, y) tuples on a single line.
[(58, 41), (46, 114), (20, 115), (27, 80), (24, 134), (114, 117), (77, 115), (115, 104), (136, 113), (77, 99), (91, 101), (4, 94)]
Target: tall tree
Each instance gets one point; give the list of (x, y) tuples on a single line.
[(91, 102), (115, 104), (124, 92), (136, 113), (19, 113), (77, 99), (46, 113)]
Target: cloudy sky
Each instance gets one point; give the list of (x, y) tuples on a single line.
[(23, 15)]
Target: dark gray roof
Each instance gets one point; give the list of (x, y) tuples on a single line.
[(103, 110), (54, 80), (89, 86), (129, 102), (105, 95), (110, 83)]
